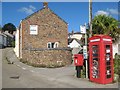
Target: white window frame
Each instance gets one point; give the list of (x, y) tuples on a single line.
[(33, 29), (54, 46), (49, 43)]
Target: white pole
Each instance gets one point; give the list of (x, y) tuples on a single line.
[(90, 17), (86, 61)]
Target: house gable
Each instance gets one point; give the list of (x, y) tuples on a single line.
[(74, 44), (51, 28)]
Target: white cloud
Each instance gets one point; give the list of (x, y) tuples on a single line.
[(28, 10), (113, 11), (32, 7), (101, 12)]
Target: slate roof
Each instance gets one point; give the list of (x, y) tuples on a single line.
[(71, 39), (75, 33)]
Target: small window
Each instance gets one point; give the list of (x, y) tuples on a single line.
[(56, 45), (49, 45), (52, 45), (33, 29)]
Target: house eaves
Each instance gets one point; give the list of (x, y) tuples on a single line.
[(41, 10)]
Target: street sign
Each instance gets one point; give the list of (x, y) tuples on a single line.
[(83, 29), (85, 52)]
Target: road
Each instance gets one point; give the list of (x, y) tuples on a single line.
[(16, 77), (19, 75)]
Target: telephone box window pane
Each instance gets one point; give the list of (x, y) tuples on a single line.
[(108, 60), (108, 76), (108, 67), (108, 63), (95, 51), (95, 63), (95, 59)]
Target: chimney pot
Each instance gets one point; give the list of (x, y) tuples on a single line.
[(45, 4)]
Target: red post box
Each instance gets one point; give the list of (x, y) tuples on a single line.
[(78, 60), (101, 59)]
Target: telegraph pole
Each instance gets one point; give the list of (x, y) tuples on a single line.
[(90, 17), (86, 59)]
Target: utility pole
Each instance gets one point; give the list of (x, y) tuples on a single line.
[(86, 59), (83, 31), (90, 17)]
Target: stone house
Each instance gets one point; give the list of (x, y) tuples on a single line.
[(43, 39)]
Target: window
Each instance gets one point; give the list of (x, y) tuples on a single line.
[(52, 45), (95, 63), (34, 29), (56, 45), (49, 45)]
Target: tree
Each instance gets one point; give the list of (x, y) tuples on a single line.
[(9, 27), (107, 25)]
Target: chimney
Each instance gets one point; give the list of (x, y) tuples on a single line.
[(45, 4), (72, 32)]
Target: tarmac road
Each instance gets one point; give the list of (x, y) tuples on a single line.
[(19, 75)]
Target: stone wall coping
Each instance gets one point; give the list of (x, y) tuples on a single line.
[(43, 49)]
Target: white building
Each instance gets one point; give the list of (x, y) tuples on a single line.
[(75, 44), (76, 35), (116, 48), (16, 49)]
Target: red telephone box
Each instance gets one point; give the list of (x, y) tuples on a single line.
[(101, 59)]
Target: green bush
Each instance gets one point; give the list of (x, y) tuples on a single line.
[(117, 65), (13, 43)]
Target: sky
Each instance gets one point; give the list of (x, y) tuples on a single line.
[(74, 13)]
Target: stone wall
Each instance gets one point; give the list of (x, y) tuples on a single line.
[(50, 29), (47, 57)]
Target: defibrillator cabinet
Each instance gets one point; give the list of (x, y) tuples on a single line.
[(101, 59)]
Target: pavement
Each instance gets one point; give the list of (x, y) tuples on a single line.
[(65, 75)]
